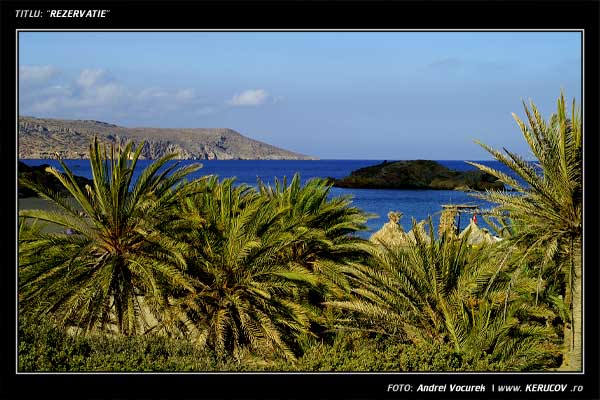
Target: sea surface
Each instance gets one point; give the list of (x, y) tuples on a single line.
[(418, 204)]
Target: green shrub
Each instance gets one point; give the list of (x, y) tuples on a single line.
[(45, 347), (355, 352)]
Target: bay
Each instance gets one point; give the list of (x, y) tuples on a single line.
[(417, 204)]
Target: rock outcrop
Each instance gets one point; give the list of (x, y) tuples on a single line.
[(38, 174), (417, 174), (43, 138)]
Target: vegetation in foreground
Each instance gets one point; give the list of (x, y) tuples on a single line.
[(546, 221), (166, 274), (46, 348)]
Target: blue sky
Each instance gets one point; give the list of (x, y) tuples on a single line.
[(336, 95)]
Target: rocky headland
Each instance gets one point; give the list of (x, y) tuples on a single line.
[(417, 174), (44, 138), (39, 175)]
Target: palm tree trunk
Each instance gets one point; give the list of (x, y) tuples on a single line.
[(577, 353), (118, 296), (573, 333)]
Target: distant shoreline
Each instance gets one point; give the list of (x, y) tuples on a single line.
[(45, 138)]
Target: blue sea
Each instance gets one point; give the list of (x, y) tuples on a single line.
[(418, 204)]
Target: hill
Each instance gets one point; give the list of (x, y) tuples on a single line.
[(43, 138), (417, 174)]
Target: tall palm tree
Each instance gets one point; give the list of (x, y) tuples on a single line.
[(333, 245), (118, 264), (547, 209), (443, 290), (244, 298), (333, 222)]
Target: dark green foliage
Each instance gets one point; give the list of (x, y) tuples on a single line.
[(245, 288), (46, 347), (354, 351), (442, 291), (43, 347), (333, 223)]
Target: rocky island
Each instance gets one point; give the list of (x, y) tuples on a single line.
[(43, 138), (417, 174)]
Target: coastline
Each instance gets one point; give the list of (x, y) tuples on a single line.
[(415, 203)]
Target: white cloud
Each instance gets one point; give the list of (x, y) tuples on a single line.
[(37, 73), (254, 97), (151, 93), (185, 94), (90, 77), (90, 90), (43, 106), (108, 92), (95, 94)]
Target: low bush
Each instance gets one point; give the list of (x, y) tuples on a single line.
[(355, 352), (44, 347)]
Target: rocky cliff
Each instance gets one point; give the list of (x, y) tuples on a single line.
[(417, 174), (70, 139)]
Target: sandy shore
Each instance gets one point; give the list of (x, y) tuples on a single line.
[(36, 203)]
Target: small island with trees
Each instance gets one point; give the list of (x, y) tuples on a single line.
[(418, 174)]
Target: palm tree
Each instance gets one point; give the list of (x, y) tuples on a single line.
[(445, 291), (333, 222), (244, 298), (546, 209), (333, 245), (118, 264)]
